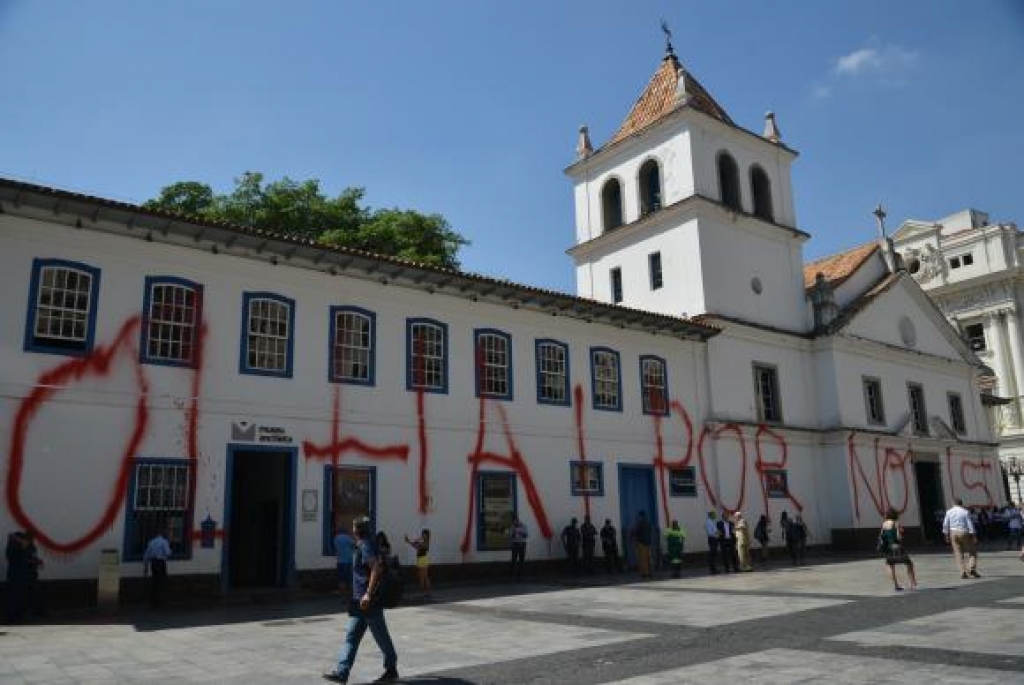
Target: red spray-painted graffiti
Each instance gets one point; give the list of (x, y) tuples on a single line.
[(513, 461), (339, 446), (891, 459), (662, 465), (985, 467), (762, 466), (714, 434), (98, 363), (577, 396)]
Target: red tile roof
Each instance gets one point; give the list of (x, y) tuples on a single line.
[(659, 99), (838, 267)]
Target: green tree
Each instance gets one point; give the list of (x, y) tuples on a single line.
[(300, 209)]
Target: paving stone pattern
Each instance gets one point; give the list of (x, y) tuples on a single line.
[(831, 622)]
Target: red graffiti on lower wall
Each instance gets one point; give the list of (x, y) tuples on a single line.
[(885, 461), (338, 445), (513, 461), (762, 465), (98, 363), (581, 441), (715, 434), (966, 464), (663, 465)]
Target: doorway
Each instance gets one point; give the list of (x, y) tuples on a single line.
[(636, 494), (260, 515), (929, 498)]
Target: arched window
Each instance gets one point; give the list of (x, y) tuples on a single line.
[(611, 204), (761, 190), (729, 181), (650, 187)]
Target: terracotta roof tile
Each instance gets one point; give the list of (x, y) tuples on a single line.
[(659, 99), (838, 267)]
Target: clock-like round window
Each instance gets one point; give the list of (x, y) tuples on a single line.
[(908, 334)]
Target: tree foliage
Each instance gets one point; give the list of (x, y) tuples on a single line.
[(301, 209)]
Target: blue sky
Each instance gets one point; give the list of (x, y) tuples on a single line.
[(470, 108)]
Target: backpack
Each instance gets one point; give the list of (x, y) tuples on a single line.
[(392, 584)]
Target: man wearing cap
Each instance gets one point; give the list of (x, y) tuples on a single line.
[(364, 610)]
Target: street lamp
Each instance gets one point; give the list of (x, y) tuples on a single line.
[(1015, 467)]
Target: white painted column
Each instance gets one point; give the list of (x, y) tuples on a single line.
[(1016, 356), (994, 334)]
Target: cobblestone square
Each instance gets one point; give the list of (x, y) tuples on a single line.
[(831, 621)]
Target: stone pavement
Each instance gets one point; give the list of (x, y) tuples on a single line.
[(826, 622)]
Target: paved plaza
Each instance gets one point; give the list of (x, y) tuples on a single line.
[(828, 622)]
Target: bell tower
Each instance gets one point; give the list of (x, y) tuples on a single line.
[(684, 212)]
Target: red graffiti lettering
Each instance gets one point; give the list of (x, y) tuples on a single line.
[(896, 461), (662, 465), (577, 396), (761, 465), (98, 363), (513, 461), (715, 434), (985, 467), (891, 460), (339, 446)]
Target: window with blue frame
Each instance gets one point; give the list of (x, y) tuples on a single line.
[(776, 483), (606, 379), (586, 478), (493, 364), (62, 307), (171, 319), (682, 482), (496, 509), (616, 284), (552, 372), (654, 385), (426, 365), (353, 342), (268, 323), (158, 499), (349, 494)]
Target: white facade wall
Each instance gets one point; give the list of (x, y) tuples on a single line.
[(73, 448)]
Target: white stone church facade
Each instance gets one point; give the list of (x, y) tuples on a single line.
[(971, 269), (253, 391)]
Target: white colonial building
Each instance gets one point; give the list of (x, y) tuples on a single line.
[(254, 391), (971, 268)]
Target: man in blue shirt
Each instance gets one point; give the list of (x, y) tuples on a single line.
[(154, 564), (343, 547), (365, 610)]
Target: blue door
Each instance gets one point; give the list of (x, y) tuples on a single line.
[(636, 494)]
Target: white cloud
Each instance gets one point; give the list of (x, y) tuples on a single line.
[(889, 63)]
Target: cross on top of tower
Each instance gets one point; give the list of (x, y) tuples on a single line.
[(669, 51)]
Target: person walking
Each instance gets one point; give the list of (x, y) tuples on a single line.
[(365, 610), (422, 547), (675, 540), (588, 536), (610, 547), (742, 541), (343, 545), (961, 535), (517, 536), (642, 535), (711, 528), (154, 564), (762, 533), (571, 545), (890, 539), (1014, 525)]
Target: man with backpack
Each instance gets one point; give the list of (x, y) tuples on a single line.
[(366, 608)]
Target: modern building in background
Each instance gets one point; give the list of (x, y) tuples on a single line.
[(974, 272), (254, 392)]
